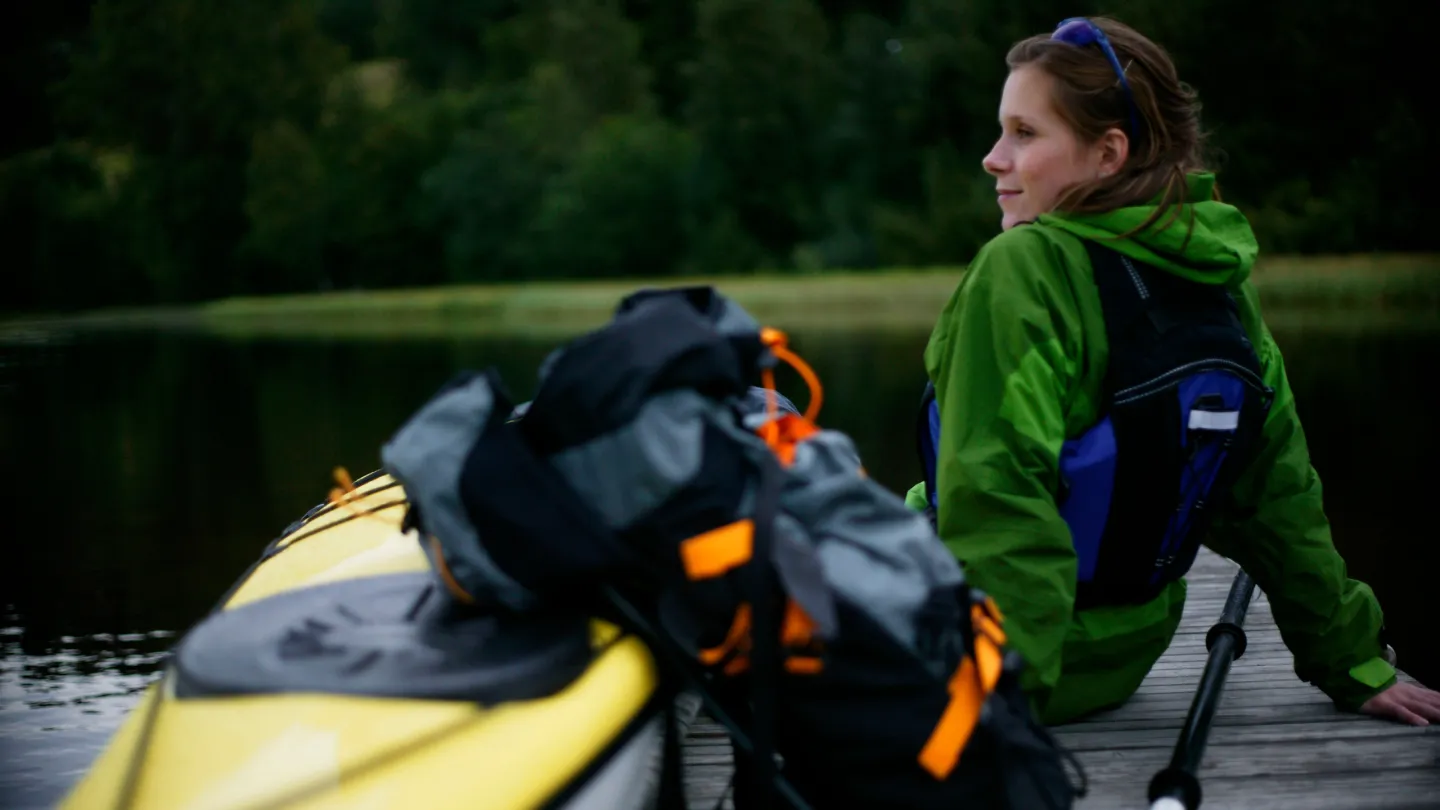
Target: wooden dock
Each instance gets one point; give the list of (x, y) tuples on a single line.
[(1276, 742)]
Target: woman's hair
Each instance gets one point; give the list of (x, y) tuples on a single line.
[(1089, 97)]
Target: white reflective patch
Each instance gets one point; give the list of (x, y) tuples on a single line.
[(1214, 420)]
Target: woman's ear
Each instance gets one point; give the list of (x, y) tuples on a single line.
[(1114, 148)]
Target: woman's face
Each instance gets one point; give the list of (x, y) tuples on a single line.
[(1038, 155)]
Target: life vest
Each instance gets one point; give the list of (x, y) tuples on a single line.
[(1182, 406)]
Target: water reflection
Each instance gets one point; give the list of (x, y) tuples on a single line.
[(57, 706), (147, 471)]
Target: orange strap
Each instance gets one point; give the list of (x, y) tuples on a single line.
[(804, 665), (797, 626), (777, 342), (782, 434), (739, 631), (344, 495), (968, 690), (437, 553), (986, 623), (802, 657), (718, 550), (345, 485), (788, 431)]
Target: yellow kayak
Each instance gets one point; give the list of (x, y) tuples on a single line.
[(336, 673)]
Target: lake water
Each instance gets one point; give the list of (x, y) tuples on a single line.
[(144, 473)]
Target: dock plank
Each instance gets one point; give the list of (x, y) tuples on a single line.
[(1276, 741)]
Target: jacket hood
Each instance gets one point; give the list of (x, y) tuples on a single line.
[(1219, 248)]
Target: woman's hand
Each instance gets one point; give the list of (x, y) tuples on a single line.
[(1407, 702)]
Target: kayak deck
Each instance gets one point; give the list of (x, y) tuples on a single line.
[(1276, 741)]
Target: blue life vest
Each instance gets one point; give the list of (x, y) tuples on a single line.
[(1183, 404)]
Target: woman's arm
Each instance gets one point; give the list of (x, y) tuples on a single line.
[(1001, 358), (1277, 530)]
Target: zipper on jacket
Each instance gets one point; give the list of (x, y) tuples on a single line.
[(1135, 277)]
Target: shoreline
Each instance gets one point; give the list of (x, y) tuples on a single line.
[(1344, 291)]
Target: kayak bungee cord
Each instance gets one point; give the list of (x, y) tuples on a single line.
[(338, 499), (342, 497), (1177, 787)]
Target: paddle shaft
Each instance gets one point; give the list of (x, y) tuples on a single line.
[(1177, 786)]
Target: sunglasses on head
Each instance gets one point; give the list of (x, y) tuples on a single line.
[(1080, 32)]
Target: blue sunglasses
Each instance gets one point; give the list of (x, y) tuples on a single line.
[(1080, 32)]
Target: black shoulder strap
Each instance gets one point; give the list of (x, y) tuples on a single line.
[(1126, 300), (1122, 287), (1142, 304)]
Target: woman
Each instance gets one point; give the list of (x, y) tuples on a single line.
[(1117, 255)]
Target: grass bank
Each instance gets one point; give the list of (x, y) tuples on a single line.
[(1321, 292)]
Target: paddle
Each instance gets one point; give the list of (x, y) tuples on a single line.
[(1177, 787)]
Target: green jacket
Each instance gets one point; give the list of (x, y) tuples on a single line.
[(1017, 359)]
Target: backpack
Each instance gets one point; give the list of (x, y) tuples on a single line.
[(650, 480)]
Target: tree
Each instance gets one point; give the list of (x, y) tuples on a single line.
[(186, 86), (441, 41), (763, 89), (558, 73), (342, 206), (60, 232), (619, 208)]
